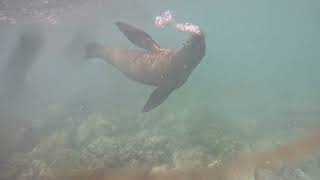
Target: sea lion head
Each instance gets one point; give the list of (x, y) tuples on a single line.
[(193, 50)]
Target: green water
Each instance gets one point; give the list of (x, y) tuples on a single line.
[(258, 85)]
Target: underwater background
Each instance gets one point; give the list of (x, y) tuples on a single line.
[(257, 87)]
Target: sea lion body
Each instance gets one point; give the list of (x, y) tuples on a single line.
[(145, 67), (166, 69)]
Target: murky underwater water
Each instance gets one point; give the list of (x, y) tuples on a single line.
[(256, 88)]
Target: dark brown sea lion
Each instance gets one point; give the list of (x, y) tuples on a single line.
[(167, 69)]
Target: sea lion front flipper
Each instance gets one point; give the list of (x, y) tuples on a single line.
[(156, 98), (137, 36)]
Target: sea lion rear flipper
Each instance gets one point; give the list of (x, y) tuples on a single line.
[(137, 36), (156, 98)]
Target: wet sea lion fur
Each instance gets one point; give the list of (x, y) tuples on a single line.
[(166, 69)]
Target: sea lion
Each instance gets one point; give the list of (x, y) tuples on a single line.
[(13, 77), (166, 69)]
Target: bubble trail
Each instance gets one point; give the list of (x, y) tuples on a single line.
[(167, 18)]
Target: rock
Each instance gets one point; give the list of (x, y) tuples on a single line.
[(195, 157), (295, 174)]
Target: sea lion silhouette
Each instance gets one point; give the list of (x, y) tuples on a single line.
[(166, 69)]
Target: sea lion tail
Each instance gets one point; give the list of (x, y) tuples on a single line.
[(92, 50)]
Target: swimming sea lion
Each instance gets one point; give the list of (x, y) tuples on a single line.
[(13, 77), (166, 69)]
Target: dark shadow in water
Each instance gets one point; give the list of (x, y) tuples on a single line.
[(16, 133)]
